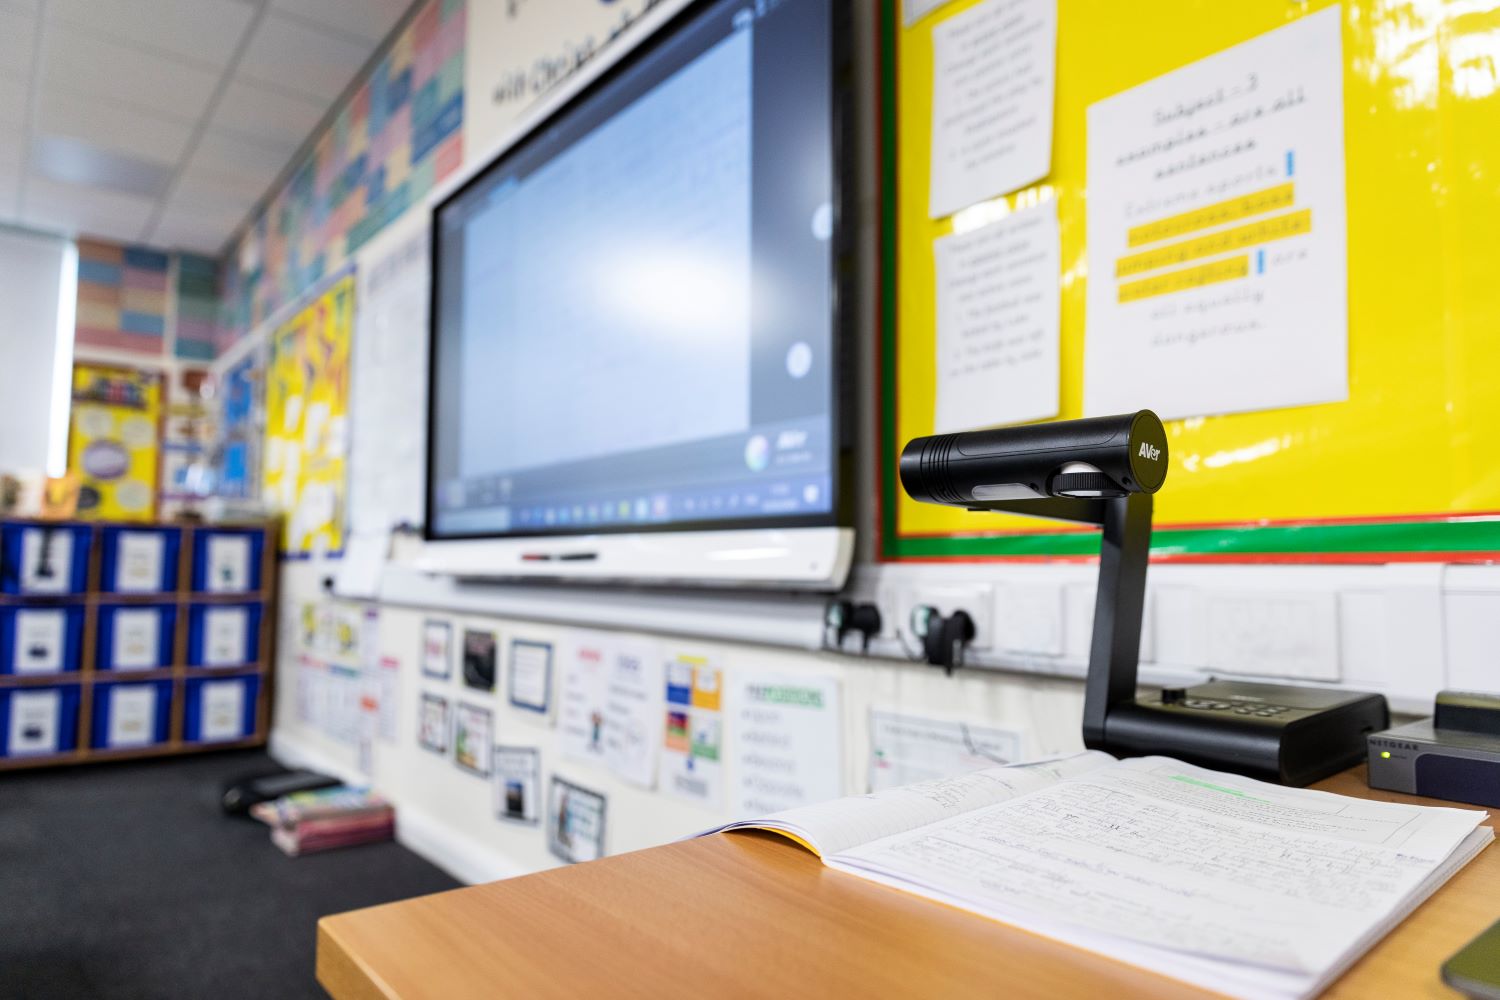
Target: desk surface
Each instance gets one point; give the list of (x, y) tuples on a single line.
[(750, 914)]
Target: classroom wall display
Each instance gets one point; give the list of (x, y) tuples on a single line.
[(530, 676), (114, 440), (575, 821), (530, 47), (307, 421), (241, 426), (398, 134), (122, 298), (518, 784), (1268, 485), (472, 727), (692, 754)]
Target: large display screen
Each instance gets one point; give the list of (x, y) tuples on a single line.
[(633, 306)]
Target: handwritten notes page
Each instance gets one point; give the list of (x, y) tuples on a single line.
[(831, 827), (1229, 883), (1216, 234), (998, 347), (993, 77)]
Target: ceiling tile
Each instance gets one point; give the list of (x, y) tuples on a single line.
[(206, 192), (121, 130), (228, 156), (73, 210), (267, 116), (12, 110), (87, 66), (17, 40), (204, 31), (289, 54), (371, 20)]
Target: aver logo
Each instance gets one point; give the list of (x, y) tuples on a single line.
[(1147, 451)]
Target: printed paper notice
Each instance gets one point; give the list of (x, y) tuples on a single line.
[(531, 676), (139, 561), (228, 564), (34, 719), (226, 637), (223, 711), (997, 322), (1216, 239), (632, 713), (39, 640), (905, 749), (788, 741), (580, 721), (132, 715), (137, 639), (692, 757), (993, 70)]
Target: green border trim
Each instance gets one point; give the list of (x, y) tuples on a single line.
[(1477, 537)]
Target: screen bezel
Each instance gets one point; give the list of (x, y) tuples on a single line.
[(844, 182)]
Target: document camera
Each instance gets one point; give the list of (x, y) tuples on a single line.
[(1103, 471)]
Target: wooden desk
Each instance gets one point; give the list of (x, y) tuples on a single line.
[(750, 914)]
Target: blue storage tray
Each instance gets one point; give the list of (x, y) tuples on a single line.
[(110, 561), (69, 575), (193, 728), (66, 722), (13, 658), (166, 631), (104, 709)]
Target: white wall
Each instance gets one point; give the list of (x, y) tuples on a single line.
[(31, 286)]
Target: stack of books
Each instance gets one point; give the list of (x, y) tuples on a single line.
[(321, 820)]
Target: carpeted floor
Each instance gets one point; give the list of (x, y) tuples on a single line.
[(127, 881)]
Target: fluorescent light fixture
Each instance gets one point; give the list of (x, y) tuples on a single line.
[(62, 362)]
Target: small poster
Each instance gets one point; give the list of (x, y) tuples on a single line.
[(789, 742), (907, 748), (479, 659), (39, 640), (132, 715), (226, 635), (632, 713), (228, 564), (692, 759), (432, 728), (471, 739), (46, 561), (139, 562), (437, 649), (518, 784), (581, 711), (137, 639), (575, 822), (531, 675), (34, 716), (223, 711)]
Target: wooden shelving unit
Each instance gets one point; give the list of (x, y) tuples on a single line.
[(87, 675)]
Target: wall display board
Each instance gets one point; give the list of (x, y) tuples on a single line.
[(114, 440), (1236, 104), (241, 426), (307, 421)]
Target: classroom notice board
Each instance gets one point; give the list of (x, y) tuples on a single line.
[(1406, 468)]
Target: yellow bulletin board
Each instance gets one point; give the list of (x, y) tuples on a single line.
[(1408, 468), (307, 421), (114, 436)]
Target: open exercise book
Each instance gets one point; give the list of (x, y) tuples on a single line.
[(1232, 884)]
